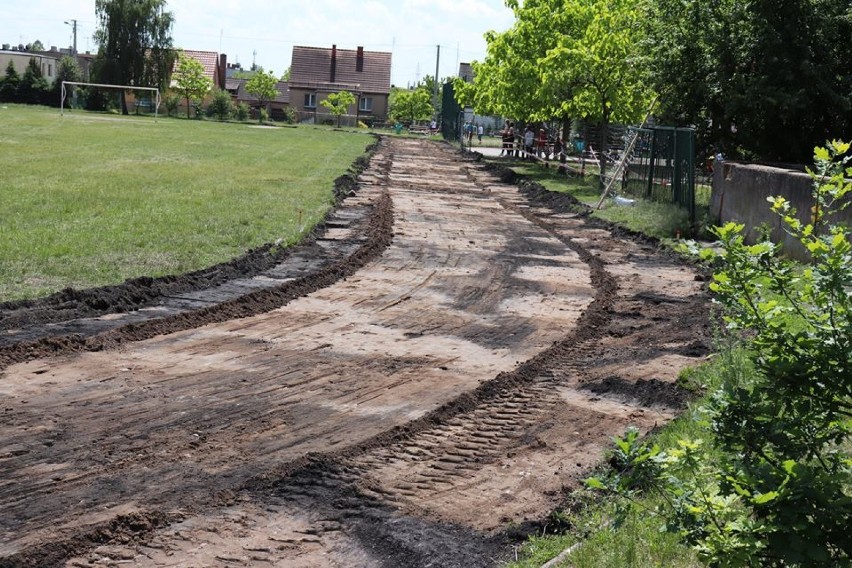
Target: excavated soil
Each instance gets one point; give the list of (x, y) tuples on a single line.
[(418, 384)]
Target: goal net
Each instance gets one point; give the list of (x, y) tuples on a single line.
[(154, 92)]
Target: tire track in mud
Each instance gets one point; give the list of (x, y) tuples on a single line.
[(414, 494)]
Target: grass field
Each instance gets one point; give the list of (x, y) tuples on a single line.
[(93, 199)]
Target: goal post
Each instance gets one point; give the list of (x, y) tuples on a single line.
[(104, 86)]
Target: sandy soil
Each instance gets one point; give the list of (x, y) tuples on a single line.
[(441, 363)]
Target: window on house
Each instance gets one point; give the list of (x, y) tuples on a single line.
[(310, 100), (366, 104)]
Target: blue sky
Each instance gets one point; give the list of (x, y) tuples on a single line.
[(265, 31)]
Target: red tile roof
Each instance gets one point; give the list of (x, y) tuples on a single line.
[(311, 68), (208, 59)]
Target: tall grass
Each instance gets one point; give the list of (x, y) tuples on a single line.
[(93, 199)]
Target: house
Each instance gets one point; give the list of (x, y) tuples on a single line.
[(315, 72), (214, 65), (48, 63)]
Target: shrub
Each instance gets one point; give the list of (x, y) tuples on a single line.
[(172, 102), (221, 106), (241, 112), (777, 494)]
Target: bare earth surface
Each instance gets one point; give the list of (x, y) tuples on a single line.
[(449, 358)]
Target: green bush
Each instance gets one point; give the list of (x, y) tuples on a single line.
[(221, 106), (172, 103), (775, 489), (241, 112)]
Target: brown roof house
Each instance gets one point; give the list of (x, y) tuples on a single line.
[(316, 71), (214, 65)]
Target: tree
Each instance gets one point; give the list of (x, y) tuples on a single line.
[(285, 76), (263, 86), (338, 103), (563, 59), (33, 85), (190, 81), (410, 106), (35, 46), (601, 63), (67, 70), (9, 86), (135, 39), (428, 82), (763, 79)]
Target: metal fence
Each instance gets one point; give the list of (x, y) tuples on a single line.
[(662, 167)]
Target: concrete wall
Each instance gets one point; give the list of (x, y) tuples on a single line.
[(740, 193)]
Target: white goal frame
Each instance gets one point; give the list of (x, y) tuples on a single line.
[(125, 87)]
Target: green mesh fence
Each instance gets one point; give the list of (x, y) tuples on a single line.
[(452, 114), (662, 167)]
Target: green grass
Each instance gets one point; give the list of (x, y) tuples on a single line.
[(595, 542), (94, 199), (662, 220)]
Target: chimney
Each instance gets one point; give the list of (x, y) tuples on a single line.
[(333, 62), (359, 61), (223, 66)]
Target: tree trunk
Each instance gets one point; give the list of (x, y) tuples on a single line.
[(603, 136), (187, 107)]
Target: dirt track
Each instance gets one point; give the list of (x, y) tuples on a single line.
[(399, 393)]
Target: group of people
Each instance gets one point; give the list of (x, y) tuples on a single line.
[(530, 144), (470, 129)]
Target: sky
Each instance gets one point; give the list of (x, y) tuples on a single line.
[(264, 32)]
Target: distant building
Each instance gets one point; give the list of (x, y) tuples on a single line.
[(315, 72), (48, 62), (466, 72)]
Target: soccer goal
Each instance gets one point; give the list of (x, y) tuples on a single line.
[(123, 87)]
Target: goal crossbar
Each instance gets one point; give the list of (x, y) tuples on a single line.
[(125, 87)]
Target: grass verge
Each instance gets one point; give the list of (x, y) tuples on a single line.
[(93, 199), (664, 221)]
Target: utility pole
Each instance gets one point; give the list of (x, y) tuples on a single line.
[(73, 24), (437, 65)]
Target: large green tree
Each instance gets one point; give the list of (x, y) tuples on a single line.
[(263, 86), (762, 79), (190, 81), (600, 65), (135, 43), (338, 103), (411, 105), (563, 59)]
